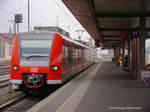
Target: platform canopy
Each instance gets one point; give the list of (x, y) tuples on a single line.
[(108, 21)]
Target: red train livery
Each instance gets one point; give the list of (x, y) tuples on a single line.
[(40, 59)]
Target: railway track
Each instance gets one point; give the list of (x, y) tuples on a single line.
[(3, 85), (12, 102), (21, 104), (4, 70), (24, 102), (4, 76), (4, 80)]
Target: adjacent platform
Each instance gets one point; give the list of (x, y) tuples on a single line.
[(101, 88)]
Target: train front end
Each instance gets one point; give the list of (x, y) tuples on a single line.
[(36, 61)]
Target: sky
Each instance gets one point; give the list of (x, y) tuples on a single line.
[(42, 13)]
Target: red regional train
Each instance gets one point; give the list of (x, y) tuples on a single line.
[(40, 59)]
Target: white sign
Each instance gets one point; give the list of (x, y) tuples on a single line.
[(34, 70)]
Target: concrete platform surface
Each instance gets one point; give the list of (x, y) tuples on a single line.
[(101, 88)]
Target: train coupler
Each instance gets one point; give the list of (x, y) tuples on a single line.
[(34, 80), (15, 86)]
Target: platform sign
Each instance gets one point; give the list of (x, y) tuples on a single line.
[(145, 78)]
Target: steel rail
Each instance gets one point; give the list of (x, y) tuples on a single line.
[(12, 102)]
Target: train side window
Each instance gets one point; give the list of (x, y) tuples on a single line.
[(63, 52), (69, 55), (82, 53), (79, 55), (66, 52), (73, 54)]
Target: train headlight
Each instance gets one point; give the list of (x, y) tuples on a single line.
[(15, 67), (54, 68)]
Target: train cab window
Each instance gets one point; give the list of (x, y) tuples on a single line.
[(35, 50), (65, 52), (77, 54)]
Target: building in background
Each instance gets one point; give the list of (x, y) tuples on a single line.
[(6, 41)]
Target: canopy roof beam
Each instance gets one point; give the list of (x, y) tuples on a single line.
[(123, 15)]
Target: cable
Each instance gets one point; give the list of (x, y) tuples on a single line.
[(46, 19), (3, 26), (41, 16), (5, 14), (64, 11), (7, 11), (67, 14), (1, 20)]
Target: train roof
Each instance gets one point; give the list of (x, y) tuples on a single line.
[(78, 43), (38, 32), (63, 36)]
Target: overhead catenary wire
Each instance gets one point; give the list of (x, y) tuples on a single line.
[(2, 27), (10, 15), (64, 11), (2, 13), (7, 11), (43, 20), (68, 16), (34, 12)]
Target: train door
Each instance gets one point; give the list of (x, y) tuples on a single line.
[(66, 60)]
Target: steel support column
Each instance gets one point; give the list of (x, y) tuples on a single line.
[(113, 58), (123, 55), (119, 50), (129, 54), (142, 35), (115, 54)]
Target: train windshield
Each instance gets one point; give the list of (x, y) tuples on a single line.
[(35, 49)]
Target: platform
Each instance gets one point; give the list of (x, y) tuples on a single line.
[(101, 88)]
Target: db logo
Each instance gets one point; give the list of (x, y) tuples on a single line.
[(34, 70)]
